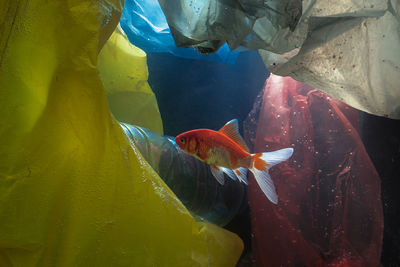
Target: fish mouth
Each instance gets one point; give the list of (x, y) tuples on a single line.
[(178, 142)]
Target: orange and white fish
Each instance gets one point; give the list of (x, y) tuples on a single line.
[(226, 152)]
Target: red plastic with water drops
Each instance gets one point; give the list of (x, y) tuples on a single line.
[(329, 211)]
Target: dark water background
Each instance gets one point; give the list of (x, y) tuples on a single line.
[(195, 93), (381, 137)]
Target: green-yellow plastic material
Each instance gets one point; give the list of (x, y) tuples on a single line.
[(123, 70), (73, 190)]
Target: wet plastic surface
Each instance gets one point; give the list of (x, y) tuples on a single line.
[(189, 178), (330, 210), (146, 26), (74, 191), (123, 71), (348, 50)]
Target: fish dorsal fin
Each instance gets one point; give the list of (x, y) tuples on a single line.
[(231, 130)]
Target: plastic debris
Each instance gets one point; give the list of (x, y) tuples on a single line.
[(74, 191), (347, 50), (146, 26), (330, 209)]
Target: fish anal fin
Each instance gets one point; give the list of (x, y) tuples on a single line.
[(228, 172), (231, 130), (241, 174)]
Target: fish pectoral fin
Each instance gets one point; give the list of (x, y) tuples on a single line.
[(229, 172), (218, 174), (241, 174)]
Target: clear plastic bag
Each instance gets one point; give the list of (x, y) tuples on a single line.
[(189, 178)]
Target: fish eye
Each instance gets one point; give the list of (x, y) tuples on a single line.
[(182, 140)]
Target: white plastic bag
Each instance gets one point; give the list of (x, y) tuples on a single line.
[(347, 49)]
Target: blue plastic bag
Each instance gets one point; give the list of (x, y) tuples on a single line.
[(144, 23)]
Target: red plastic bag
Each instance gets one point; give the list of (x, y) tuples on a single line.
[(329, 211)]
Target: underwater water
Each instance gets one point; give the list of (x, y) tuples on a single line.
[(336, 200), (330, 190), (102, 162), (332, 211)]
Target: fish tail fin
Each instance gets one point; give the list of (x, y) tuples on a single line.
[(261, 163)]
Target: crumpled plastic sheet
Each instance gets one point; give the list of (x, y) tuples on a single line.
[(123, 71), (110, 14), (349, 50), (146, 27), (74, 191), (329, 211)]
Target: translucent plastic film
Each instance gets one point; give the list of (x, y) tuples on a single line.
[(189, 178), (146, 27), (329, 211), (349, 49), (74, 191), (123, 71)]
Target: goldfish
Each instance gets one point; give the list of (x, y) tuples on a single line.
[(225, 151)]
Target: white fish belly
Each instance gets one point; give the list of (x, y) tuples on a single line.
[(219, 156)]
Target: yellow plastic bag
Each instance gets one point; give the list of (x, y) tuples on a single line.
[(123, 70), (73, 189)]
